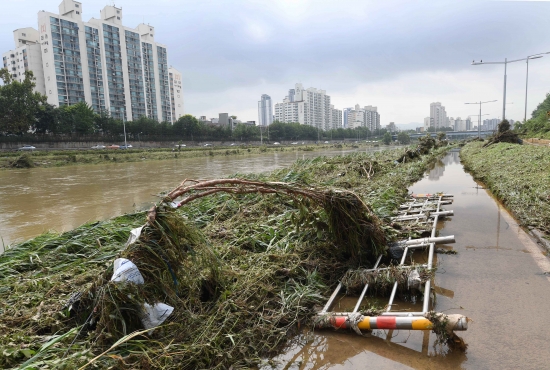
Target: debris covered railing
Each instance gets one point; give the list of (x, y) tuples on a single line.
[(420, 208)]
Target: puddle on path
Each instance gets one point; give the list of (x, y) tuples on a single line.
[(497, 279)]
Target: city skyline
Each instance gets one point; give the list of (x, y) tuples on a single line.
[(396, 68)]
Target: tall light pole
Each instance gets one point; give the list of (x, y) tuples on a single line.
[(506, 61), (483, 102), (534, 56)]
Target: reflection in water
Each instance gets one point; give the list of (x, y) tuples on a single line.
[(37, 200), (494, 279)]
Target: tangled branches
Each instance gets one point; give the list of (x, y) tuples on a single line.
[(352, 224)]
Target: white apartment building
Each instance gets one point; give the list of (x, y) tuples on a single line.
[(367, 116), (335, 118), (438, 116), (25, 57), (427, 125), (265, 111), (459, 124), (308, 107), (176, 93), (111, 67)]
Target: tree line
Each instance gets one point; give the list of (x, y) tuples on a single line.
[(24, 112)]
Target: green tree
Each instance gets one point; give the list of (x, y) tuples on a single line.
[(77, 119), (188, 127), (404, 138), (387, 138), (47, 119), (19, 105)]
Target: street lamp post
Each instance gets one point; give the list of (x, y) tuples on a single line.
[(483, 102), (534, 56), (506, 61)]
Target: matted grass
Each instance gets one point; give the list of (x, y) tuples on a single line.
[(518, 175), (242, 271)]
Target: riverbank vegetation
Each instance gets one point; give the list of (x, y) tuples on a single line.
[(518, 175), (58, 158), (539, 124), (243, 271)]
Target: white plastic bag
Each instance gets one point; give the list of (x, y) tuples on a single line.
[(134, 235), (414, 281), (153, 316), (126, 270)]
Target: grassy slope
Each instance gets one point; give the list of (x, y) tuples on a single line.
[(519, 175), (256, 238), (56, 158)]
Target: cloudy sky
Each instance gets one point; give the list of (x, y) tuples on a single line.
[(397, 55)]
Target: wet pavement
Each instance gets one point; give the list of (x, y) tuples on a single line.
[(497, 279)]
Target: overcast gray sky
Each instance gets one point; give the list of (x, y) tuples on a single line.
[(397, 55)]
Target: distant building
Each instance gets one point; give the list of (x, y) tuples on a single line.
[(335, 118), (391, 127), (176, 93), (223, 119), (427, 124), (345, 113), (438, 116), (265, 111), (363, 117), (308, 107)]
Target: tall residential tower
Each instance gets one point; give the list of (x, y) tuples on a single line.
[(113, 68), (308, 107)]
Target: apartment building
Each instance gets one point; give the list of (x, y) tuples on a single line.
[(308, 107), (438, 116), (113, 68), (335, 118), (367, 116)]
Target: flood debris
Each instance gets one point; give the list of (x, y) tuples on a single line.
[(23, 161), (503, 134), (243, 262)]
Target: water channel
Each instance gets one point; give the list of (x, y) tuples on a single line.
[(497, 279), (36, 200)]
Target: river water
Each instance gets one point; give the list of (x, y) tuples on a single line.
[(497, 279), (40, 199)]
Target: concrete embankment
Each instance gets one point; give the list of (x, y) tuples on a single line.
[(519, 176)]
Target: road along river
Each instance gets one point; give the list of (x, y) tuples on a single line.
[(498, 279), (40, 199)]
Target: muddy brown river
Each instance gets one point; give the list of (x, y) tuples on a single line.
[(40, 199), (498, 278)]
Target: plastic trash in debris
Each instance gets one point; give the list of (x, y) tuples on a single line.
[(134, 235), (414, 281), (153, 316), (126, 270)]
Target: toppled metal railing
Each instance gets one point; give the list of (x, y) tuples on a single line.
[(420, 208)]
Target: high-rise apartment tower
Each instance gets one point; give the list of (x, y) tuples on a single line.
[(113, 68)]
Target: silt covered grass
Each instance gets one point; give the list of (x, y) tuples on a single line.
[(243, 272), (518, 175)]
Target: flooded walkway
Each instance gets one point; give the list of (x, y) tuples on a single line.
[(497, 279)]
